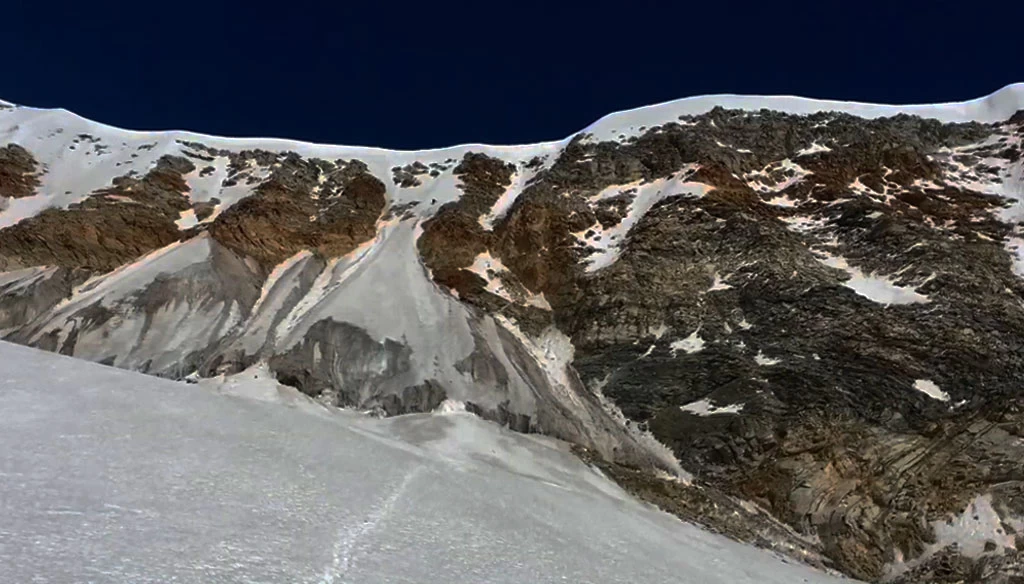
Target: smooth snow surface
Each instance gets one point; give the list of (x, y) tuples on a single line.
[(188, 220), (112, 476)]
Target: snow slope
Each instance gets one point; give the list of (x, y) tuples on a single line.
[(112, 476)]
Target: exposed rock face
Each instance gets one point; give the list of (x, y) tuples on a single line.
[(820, 314), (461, 233), (17, 172), (31, 292), (112, 227), (304, 204), (952, 567), (829, 432), (165, 316)]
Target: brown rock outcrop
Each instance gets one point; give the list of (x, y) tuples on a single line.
[(304, 204), (19, 172), (110, 228)]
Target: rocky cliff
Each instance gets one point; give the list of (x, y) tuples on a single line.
[(817, 307)]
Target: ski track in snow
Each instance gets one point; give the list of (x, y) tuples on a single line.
[(346, 547), (168, 482)]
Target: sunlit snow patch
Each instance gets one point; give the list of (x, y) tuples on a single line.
[(130, 278), (276, 274), (519, 180), (996, 107), (928, 387), (691, 344), (704, 407), (814, 148), (979, 523), (782, 201), (451, 406), (875, 288), (204, 184), (187, 220), (608, 242), (490, 269), (764, 360), (718, 284), (767, 180)]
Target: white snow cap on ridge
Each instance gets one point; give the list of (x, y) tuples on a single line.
[(995, 107)]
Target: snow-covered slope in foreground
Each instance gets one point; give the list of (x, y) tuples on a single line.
[(112, 476)]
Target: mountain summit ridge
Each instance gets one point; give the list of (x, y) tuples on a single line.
[(816, 310), (993, 107)]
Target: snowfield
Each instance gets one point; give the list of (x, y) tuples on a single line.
[(112, 476)]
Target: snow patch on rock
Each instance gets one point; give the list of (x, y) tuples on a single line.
[(691, 344), (704, 407), (491, 269), (814, 148), (187, 220), (876, 288), (719, 284), (608, 243), (929, 388)]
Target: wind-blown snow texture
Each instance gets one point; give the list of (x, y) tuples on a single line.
[(111, 476)]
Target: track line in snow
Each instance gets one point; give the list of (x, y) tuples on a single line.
[(345, 546)]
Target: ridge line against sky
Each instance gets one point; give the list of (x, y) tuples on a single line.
[(996, 106), (415, 76)]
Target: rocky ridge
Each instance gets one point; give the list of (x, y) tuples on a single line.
[(816, 306)]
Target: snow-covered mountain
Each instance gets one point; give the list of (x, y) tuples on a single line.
[(815, 306)]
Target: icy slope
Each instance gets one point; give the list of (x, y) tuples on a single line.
[(111, 476)]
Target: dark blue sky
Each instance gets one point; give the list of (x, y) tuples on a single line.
[(426, 74)]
